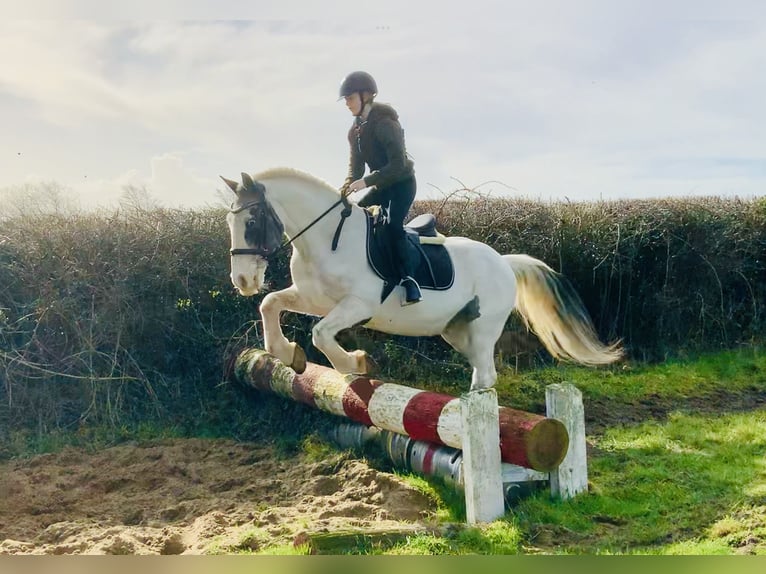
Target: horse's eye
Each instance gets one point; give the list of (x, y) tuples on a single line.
[(250, 222)]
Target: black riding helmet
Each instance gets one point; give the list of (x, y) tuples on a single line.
[(357, 82)]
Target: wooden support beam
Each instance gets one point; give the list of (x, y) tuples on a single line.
[(564, 402), (482, 478)]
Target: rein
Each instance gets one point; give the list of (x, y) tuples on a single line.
[(254, 251)]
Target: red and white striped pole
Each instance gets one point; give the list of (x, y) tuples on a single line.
[(526, 439)]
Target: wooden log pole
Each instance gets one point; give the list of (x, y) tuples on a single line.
[(526, 439)]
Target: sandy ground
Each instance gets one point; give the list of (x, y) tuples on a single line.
[(192, 497), (195, 496)]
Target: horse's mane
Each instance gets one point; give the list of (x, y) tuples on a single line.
[(276, 172)]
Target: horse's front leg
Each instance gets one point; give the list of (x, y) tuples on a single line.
[(275, 341), (349, 312)]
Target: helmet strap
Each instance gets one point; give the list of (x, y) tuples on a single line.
[(361, 104), (364, 107)]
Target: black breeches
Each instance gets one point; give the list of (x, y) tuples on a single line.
[(398, 199)]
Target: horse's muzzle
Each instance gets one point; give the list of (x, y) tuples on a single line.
[(245, 286), (247, 277)]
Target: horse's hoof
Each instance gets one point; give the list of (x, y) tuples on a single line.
[(299, 360)]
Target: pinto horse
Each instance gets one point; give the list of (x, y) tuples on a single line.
[(340, 286)]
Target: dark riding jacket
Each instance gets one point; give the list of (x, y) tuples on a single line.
[(378, 142)]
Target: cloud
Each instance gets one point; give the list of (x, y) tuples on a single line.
[(172, 183), (63, 77), (169, 182), (582, 101)]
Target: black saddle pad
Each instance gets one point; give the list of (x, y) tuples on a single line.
[(432, 263)]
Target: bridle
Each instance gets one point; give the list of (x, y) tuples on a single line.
[(264, 252), (261, 221)]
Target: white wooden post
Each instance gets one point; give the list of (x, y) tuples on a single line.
[(482, 477), (564, 402)]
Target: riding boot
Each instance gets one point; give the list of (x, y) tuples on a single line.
[(405, 266), (411, 291)]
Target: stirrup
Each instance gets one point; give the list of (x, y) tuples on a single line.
[(412, 293)]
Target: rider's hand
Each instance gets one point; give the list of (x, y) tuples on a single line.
[(356, 185)]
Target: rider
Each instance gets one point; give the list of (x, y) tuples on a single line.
[(376, 138)]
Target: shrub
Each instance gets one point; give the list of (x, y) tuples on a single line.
[(112, 318)]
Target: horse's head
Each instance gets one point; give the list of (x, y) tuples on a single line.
[(256, 233)]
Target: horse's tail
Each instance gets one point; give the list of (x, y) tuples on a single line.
[(553, 310)]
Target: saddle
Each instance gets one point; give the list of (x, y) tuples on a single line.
[(430, 259)]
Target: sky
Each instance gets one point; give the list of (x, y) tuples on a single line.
[(548, 100)]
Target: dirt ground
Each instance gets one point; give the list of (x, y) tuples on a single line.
[(192, 496)]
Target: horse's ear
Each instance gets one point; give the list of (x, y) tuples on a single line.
[(232, 184), (247, 181), (252, 185)]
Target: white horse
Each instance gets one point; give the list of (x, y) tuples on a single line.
[(341, 287)]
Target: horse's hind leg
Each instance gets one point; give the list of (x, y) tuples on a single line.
[(476, 341), (349, 312)]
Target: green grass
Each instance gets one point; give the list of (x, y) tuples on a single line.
[(691, 485), (449, 503), (25, 443), (699, 376), (690, 482), (662, 488), (499, 537)]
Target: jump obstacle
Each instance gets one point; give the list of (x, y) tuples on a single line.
[(456, 439)]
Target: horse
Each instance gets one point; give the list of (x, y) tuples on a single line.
[(336, 283)]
